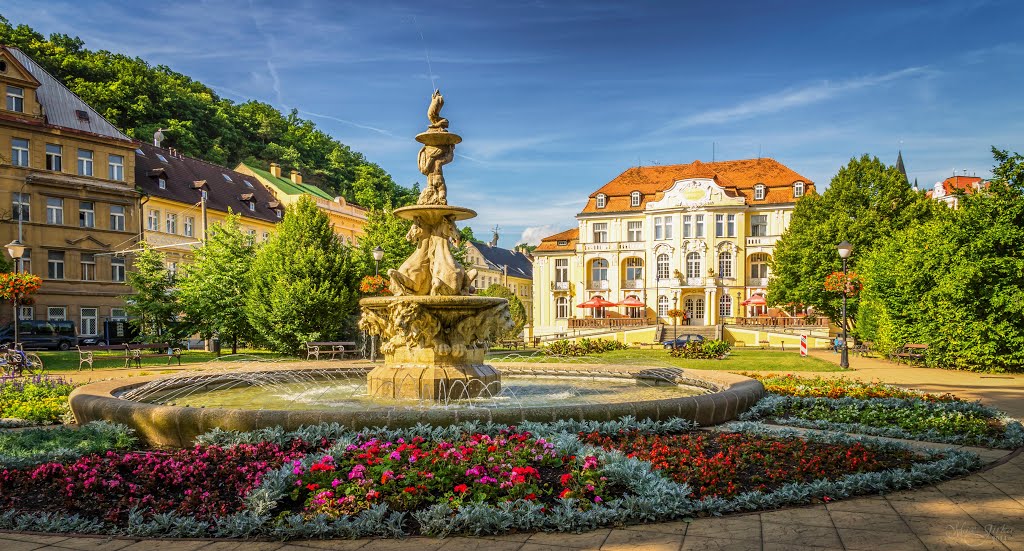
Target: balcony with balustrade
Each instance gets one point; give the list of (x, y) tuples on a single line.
[(766, 241)]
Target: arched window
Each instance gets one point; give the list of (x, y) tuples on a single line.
[(662, 306), (693, 265), (759, 191), (663, 264), (602, 199), (599, 272), (759, 265), (634, 271), (634, 199), (725, 306), (561, 307), (798, 189), (725, 264)]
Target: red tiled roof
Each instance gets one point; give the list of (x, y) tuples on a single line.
[(737, 177), (550, 243)]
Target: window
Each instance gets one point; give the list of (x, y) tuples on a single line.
[(190, 224), (19, 152), (693, 265), (205, 194), (601, 232), (54, 157), (226, 177), (55, 264), (599, 270), (161, 182), (659, 229), (634, 270), (798, 189), (86, 214), (662, 266), (116, 269), (730, 225), (161, 157), (662, 306), (759, 266), (88, 325), (21, 206), (26, 313), (15, 99), (248, 184), (115, 165), (266, 235), (252, 205), (602, 200), (687, 226), (84, 162), (278, 212), (56, 313), (759, 225), (172, 270), (634, 199), (26, 262), (88, 267), (172, 223), (719, 225), (759, 192), (54, 210), (698, 229), (153, 220), (725, 264), (668, 227), (725, 306), (561, 270), (118, 314), (634, 231), (561, 307), (117, 217)]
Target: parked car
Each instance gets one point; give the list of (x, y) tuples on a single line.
[(114, 332), (682, 340), (59, 335)]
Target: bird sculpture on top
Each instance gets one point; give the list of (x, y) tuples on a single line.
[(434, 154)]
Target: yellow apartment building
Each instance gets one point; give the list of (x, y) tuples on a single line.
[(66, 175), (349, 220), (510, 268), (698, 237)]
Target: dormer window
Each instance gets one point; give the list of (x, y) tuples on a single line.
[(206, 195), (634, 199), (602, 200), (760, 190), (161, 157), (252, 205), (798, 189), (16, 99), (278, 212), (162, 183), (248, 184), (562, 242)]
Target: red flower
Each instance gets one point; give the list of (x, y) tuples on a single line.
[(461, 488), (565, 479), (565, 493), (312, 487)]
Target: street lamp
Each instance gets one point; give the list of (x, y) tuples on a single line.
[(16, 249), (675, 310), (378, 255), (845, 249)]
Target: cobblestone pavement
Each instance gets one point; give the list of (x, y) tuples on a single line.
[(983, 511)]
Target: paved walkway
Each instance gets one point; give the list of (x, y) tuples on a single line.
[(984, 511)]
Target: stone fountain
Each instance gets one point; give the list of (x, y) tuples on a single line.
[(434, 329)]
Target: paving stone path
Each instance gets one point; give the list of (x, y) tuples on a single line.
[(983, 511)]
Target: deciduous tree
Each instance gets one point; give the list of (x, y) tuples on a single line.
[(153, 304), (515, 307)]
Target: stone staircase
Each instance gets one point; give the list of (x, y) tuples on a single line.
[(707, 331)]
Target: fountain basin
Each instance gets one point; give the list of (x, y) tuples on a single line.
[(727, 395)]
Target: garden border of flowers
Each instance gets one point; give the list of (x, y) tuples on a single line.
[(653, 497), (1013, 437)]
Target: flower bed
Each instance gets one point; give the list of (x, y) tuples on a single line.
[(583, 347), (29, 447), (40, 399), (833, 387)]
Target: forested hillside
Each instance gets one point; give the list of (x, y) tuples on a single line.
[(140, 98)]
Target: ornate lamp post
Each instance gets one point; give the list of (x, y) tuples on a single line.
[(845, 249), (16, 249), (378, 255)]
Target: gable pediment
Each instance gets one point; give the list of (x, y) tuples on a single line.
[(16, 73), (694, 193)]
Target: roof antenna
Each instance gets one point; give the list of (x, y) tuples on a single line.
[(758, 152), (712, 152)]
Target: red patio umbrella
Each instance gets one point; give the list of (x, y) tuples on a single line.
[(756, 300), (632, 302), (597, 302)]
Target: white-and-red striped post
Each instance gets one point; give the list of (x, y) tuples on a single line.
[(803, 345)]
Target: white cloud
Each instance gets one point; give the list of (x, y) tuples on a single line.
[(533, 234)]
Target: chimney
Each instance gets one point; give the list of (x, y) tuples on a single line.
[(275, 170), (296, 177)]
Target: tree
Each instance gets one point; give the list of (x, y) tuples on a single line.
[(303, 282), (212, 287), (865, 201), (466, 234), (153, 304), (515, 307), (387, 231), (956, 282)]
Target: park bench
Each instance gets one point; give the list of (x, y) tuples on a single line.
[(513, 344), (87, 354), (863, 348), (910, 353), (329, 348), (136, 352)]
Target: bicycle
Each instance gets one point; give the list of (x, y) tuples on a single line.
[(17, 363)]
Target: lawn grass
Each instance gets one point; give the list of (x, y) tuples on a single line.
[(738, 360), (56, 361)]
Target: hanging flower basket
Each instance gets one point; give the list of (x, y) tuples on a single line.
[(18, 285), (374, 285), (849, 283)]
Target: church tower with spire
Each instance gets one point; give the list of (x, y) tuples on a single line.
[(900, 167)]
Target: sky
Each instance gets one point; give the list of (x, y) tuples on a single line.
[(554, 99)]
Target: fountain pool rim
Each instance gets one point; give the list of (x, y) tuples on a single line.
[(178, 426)]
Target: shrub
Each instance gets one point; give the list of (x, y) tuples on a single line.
[(32, 446), (702, 350), (41, 399), (583, 347), (834, 387)]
